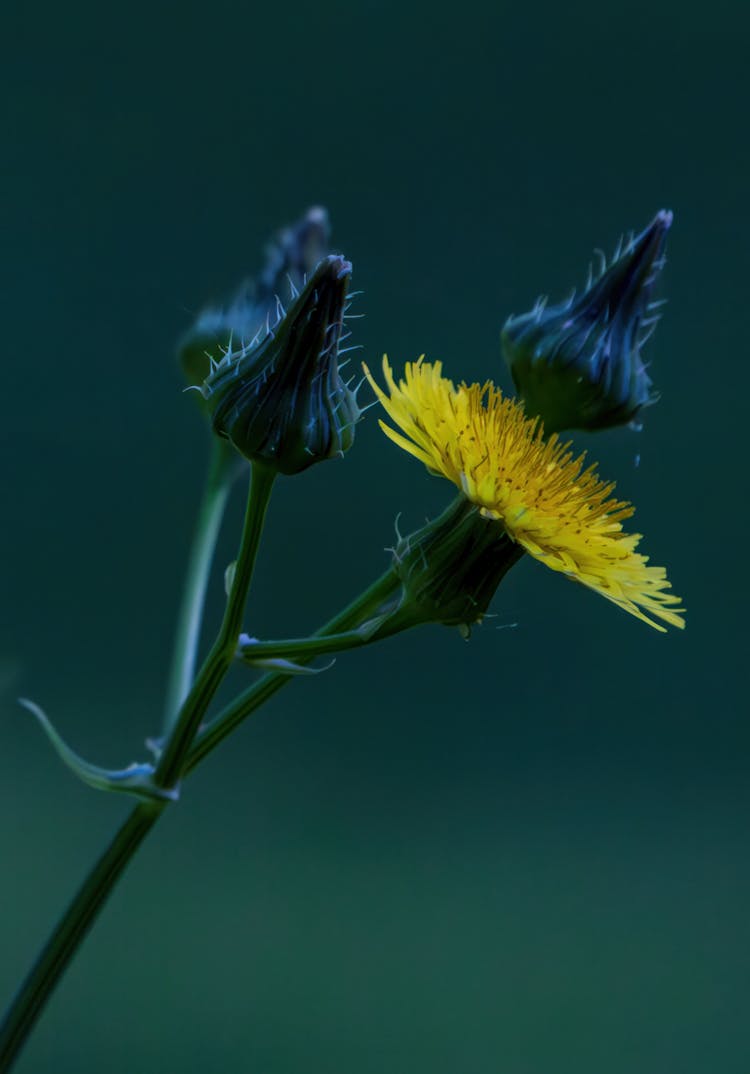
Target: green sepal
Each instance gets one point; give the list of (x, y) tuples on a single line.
[(136, 779), (450, 569)]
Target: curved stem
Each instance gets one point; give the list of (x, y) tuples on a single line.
[(82, 911), (367, 605), (222, 652), (75, 922), (298, 649), (71, 929), (190, 617)]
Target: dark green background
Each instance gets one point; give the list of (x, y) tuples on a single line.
[(528, 854)]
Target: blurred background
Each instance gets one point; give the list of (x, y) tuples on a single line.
[(528, 853)]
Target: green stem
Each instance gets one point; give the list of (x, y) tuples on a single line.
[(72, 928), (219, 660), (298, 649), (364, 607), (215, 494), (75, 922)]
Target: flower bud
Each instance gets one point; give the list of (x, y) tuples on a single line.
[(281, 400), (290, 258), (450, 569), (577, 365)]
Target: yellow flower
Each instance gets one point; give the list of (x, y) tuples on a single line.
[(560, 513)]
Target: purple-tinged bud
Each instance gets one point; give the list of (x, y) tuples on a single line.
[(290, 258), (578, 365), (280, 398)]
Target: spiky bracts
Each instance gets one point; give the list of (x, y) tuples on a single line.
[(279, 397), (578, 364), (290, 257)]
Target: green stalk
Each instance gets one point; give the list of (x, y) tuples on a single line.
[(219, 660), (303, 649), (190, 617), (73, 926), (81, 913), (71, 929), (364, 607)]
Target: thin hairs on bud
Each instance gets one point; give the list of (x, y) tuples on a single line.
[(282, 400), (578, 363)]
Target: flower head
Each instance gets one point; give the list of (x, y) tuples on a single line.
[(578, 364), (280, 398), (546, 501)]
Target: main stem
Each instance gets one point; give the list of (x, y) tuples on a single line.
[(71, 929), (219, 660), (81, 913)]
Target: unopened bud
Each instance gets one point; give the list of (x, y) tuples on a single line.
[(577, 365), (280, 398), (290, 258)]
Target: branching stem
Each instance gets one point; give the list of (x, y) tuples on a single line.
[(186, 746)]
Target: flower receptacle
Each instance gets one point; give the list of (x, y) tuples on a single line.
[(451, 568)]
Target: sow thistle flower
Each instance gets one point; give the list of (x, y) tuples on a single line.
[(533, 488)]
